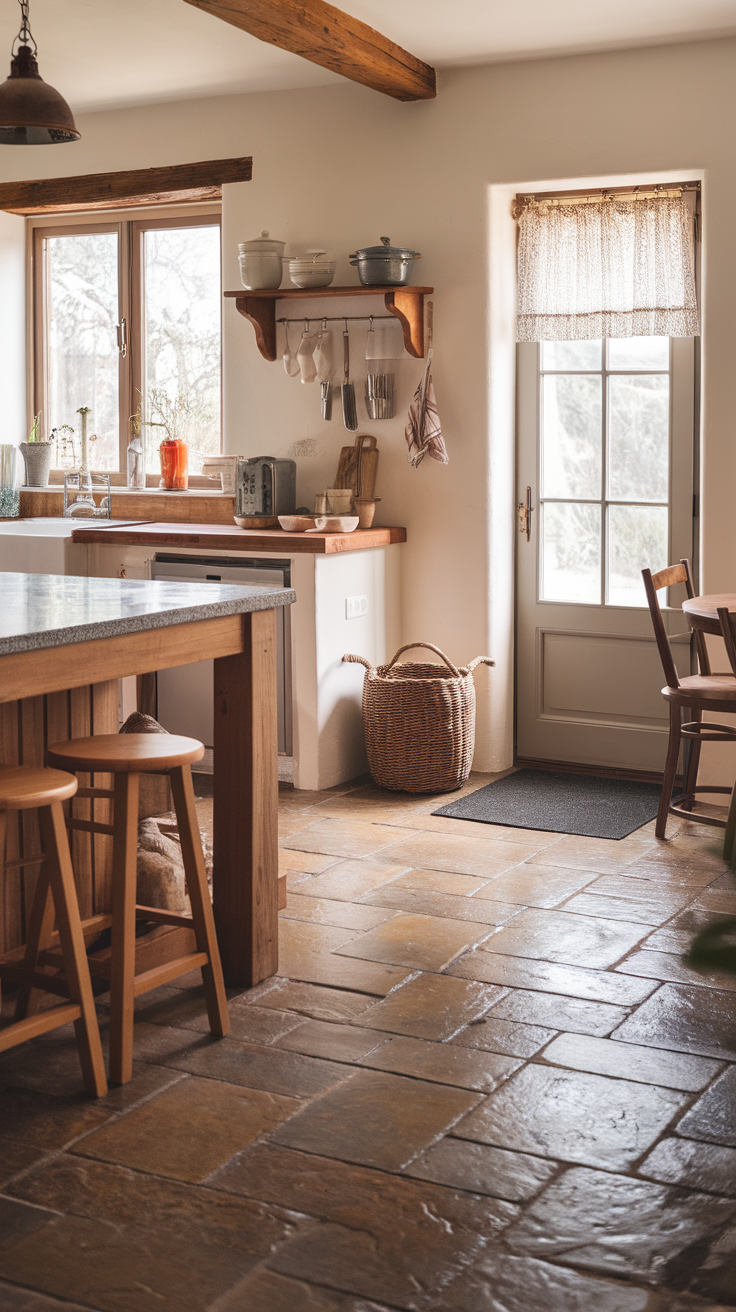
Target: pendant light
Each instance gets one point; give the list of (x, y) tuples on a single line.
[(31, 112)]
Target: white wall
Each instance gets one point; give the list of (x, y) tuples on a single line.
[(341, 166), (12, 329)]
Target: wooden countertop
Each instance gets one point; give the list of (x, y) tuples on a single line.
[(231, 538)]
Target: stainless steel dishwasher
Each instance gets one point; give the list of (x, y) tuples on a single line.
[(185, 693)]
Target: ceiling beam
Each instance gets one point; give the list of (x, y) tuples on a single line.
[(325, 35), (172, 185)]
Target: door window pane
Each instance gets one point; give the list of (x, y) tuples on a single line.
[(571, 355), (83, 358), (571, 552), (639, 353), (637, 538), (182, 338), (571, 435), (638, 437)]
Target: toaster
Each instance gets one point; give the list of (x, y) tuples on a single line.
[(266, 487)]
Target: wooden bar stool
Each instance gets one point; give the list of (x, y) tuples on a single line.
[(21, 789), (126, 757)]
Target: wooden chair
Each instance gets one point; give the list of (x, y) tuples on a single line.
[(21, 789), (695, 694), (727, 621), (126, 757)]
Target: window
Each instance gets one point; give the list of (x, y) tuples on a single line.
[(127, 313), (605, 468)]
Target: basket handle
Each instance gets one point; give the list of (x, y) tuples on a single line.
[(480, 660), (359, 660), (429, 647)]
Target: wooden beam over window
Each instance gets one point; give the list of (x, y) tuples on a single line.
[(325, 35), (176, 184)]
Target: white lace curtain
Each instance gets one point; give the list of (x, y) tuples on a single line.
[(614, 268)]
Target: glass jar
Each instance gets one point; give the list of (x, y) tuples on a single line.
[(9, 482), (174, 453)]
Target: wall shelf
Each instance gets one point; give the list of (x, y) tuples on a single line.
[(406, 303)]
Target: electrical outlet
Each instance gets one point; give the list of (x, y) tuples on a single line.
[(355, 607)]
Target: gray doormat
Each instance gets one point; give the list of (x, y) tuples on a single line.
[(560, 803)]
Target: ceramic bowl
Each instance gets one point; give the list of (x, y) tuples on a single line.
[(256, 521), (335, 523), (312, 275), (297, 523)]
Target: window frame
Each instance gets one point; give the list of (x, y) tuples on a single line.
[(130, 225)]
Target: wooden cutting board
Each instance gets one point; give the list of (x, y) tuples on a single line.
[(367, 467), (347, 466)]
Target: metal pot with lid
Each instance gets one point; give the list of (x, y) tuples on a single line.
[(261, 262), (384, 265)]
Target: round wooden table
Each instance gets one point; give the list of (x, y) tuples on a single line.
[(702, 612)]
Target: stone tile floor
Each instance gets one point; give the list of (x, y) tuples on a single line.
[(483, 1081)]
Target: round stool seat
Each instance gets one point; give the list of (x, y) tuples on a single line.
[(126, 753), (26, 786)]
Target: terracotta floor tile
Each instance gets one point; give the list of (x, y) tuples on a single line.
[(713, 1117), (302, 862), (335, 1042), (17, 1221), (620, 1226), (673, 1070), (313, 1000), (463, 856), (341, 972), (698, 1165), (33, 1124), (606, 856), (669, 940), (440, 881), (421, 942), (504, 1036), (348, 881), (106, 1254), (15, 1299), (641, 889), (530, 840), (261, 1025), (572, 1116), (639, 911), (443, 1063), (389, 896), (323, 911), (550, 1010), (673, 874), (687, 1020), (431, 1007), (537, 886), (346, 838), (299, 936), (670, 966), (551, 977), (567, 939), (376, 1119), (516, 1284), (187, 1131), (483, 1169), (717, 900), (266, 1291)]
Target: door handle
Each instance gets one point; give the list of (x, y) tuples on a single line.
[(524, 512), (122, 331)]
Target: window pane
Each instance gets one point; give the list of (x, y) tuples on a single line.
[(571, 355), (639, 353), (637, 538), (638, 437), (182, 339), (571, 552), (83, 354), (571, 436)]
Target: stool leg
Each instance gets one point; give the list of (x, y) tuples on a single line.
[(61, 880), (692, 771), (730, 834), (38, 937), (199, 896), (122, 955), (670, 770)]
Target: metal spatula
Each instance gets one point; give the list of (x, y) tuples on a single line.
[(349, 408)]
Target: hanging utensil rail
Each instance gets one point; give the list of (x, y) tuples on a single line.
[(336, 318)]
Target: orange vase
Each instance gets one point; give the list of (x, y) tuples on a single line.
[(174, 454)]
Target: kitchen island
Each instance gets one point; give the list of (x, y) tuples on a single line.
[(64, 643)]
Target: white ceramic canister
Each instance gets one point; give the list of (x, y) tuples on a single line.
[(261, 263)]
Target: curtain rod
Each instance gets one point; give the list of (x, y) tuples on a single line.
[(597, 196)]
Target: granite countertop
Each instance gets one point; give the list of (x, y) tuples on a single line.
[(51, 610)]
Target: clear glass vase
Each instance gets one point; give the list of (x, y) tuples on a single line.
[(9, 482)]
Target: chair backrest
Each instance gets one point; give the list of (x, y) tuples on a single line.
[(669, 578), (726, 620)]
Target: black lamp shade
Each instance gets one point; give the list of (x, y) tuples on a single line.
[(31, 112)]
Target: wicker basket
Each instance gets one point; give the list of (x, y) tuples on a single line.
[(419, 722)]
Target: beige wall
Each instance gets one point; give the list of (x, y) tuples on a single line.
[(340, 166)]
